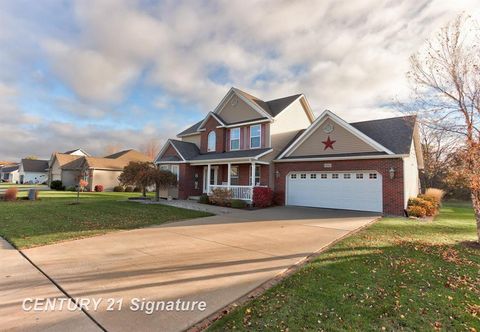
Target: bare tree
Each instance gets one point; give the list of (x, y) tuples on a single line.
[(151, 148), (439, 148), (446, 77)]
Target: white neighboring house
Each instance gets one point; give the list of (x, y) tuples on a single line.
[(9, 173), (33, 171)]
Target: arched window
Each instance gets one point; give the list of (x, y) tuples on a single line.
[(212, 141)]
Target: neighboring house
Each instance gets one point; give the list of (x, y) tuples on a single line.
[(324, 162), (65, 167), (9, 173), (33, 171), (105, 171), (69, 168)]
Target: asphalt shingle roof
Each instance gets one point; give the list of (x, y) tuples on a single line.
[(34, 165), (230, 154), (395, 134), (272, 107), (8, 169), (187, 150)]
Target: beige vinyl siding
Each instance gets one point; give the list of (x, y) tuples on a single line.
[(70, 178), (345, 142), (285, 127), (108, 179), (55, 172), (195, 139), (241, 111)]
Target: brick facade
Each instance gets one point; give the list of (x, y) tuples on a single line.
[(191, 178), (393, 200), (220, 136)]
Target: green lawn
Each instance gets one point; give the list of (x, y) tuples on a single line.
[(54, 218), (398, 274)]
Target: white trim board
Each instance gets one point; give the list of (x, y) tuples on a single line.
[(229, 95), (320, 120), (165, 147), (382, 156)]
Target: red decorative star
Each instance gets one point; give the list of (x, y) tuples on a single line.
[(328, 143)]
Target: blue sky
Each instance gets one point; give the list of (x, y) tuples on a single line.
[(98, 74)]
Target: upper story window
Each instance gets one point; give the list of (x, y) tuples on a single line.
[(255, 136), (212, 141), (235, 139)]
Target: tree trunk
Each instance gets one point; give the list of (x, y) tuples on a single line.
[(476, 209), (144, 191), (157, 193)]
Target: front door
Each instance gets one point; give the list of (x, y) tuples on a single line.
[(213, 176)]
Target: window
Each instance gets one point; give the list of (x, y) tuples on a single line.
[(346, 176), (172, 168), (293, 176), (212, 141), (359, 176), (323, 176), (303, 176), (313, 176), (255, 136), (335, 176), (234, 175), (235, 139), (372, 175), (257, 175)]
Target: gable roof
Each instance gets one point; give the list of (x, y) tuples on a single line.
[(191, 130), (314, 126), (75, 150), (189, 152), (276, 106), (65, 159), (381, 131), (267, 109), (209, 115), (34, 165), (116, 161), (9, 169)]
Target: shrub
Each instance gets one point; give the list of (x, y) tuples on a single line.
[(11, 194), (262, 197), (129, 189), (71, 188), (416, 211), (118, 189), (137, 190), (204, 199), (435, 194), (429, 207), (98, 188), (57, 185), (221, 196), (238, 204)]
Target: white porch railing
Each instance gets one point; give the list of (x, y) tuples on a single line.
[(238, 192)]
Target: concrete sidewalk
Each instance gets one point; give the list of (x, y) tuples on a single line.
[(216, 259), (19, 279)]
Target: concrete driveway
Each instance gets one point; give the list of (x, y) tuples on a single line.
[(216, 259)]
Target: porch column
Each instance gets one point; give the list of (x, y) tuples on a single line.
[(209, 168), (253, 174), (229, 174)]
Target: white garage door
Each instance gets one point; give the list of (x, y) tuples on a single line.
[(356, 190)]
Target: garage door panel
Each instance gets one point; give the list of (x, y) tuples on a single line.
[(364, 194)]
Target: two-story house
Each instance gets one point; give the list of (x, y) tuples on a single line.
[(324, 162)]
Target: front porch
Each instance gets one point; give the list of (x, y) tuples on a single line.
[(237, 177)]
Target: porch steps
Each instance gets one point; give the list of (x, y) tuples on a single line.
[(193, 198)]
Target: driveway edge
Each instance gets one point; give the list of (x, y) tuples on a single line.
[(259, 290)]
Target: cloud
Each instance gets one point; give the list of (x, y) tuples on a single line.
[(347, 56)]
